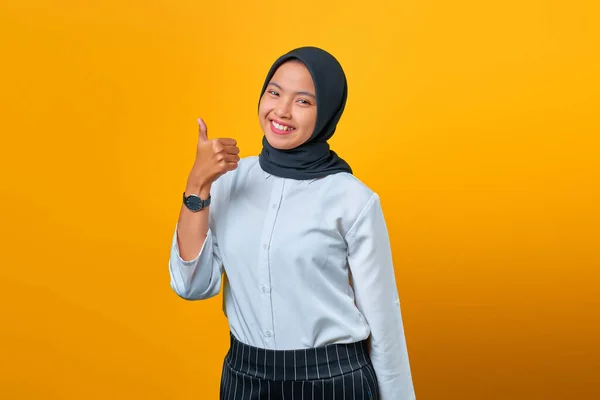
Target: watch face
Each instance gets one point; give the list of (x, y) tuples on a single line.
[(193, 203)]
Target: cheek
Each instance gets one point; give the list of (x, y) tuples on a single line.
[(263, 108), (309, 119)]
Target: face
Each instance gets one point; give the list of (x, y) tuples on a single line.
[(288, 108)]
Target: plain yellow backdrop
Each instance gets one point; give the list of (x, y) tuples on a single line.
[(476, 122)]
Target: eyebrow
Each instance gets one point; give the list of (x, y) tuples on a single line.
[(304, 93)]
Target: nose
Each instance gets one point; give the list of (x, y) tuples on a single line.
[(283, 109)]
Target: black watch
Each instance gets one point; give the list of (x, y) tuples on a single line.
[(194, 203)]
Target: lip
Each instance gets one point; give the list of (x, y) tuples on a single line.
[(277, 131)]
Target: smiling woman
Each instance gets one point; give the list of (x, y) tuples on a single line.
[(310, 294)]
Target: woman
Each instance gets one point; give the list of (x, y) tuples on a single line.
[(310, 293)]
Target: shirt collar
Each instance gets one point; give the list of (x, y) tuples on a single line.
[(304, 181)]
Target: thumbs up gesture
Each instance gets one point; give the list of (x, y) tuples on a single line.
[(213, 158)]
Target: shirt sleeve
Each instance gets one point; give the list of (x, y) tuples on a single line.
[(199, 278), (373, 278)]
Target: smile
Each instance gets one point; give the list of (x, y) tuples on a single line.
[(280, 128)]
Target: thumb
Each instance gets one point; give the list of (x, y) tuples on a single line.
[(203, 134)]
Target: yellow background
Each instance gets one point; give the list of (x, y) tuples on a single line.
[(476, 122)]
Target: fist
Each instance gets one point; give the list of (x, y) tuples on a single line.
[(213, 158)]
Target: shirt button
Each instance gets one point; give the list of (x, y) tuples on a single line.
[(264, 288), (265, 246), (268, 333), (274, 206)]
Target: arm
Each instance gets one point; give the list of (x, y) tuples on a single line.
[(370, 260), (199, 278), (195, 264), (192, 227)]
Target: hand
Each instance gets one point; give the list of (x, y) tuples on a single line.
[(213, 158)]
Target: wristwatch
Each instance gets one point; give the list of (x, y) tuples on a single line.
[(194, 203)]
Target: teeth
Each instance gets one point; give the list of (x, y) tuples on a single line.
[(281, 127)]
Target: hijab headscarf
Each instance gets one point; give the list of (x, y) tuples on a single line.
[(312, 159)]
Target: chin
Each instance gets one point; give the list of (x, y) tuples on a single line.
[(280, 143)]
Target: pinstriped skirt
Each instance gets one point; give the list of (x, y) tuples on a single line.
[(332, 372)]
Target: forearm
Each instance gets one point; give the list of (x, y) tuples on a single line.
[(389, 355), (199, 278), (192, 226)]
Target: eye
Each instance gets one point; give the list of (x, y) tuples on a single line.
[(303, 101), (274, 93)]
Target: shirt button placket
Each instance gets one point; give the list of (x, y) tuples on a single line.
[(264, 282)]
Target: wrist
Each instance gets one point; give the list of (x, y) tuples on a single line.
[(201, 189)]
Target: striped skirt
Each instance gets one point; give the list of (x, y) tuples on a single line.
[(337, 371)]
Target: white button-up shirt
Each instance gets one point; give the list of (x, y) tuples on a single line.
[(307, 263)]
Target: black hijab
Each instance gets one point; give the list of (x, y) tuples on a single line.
[(312, 159)]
